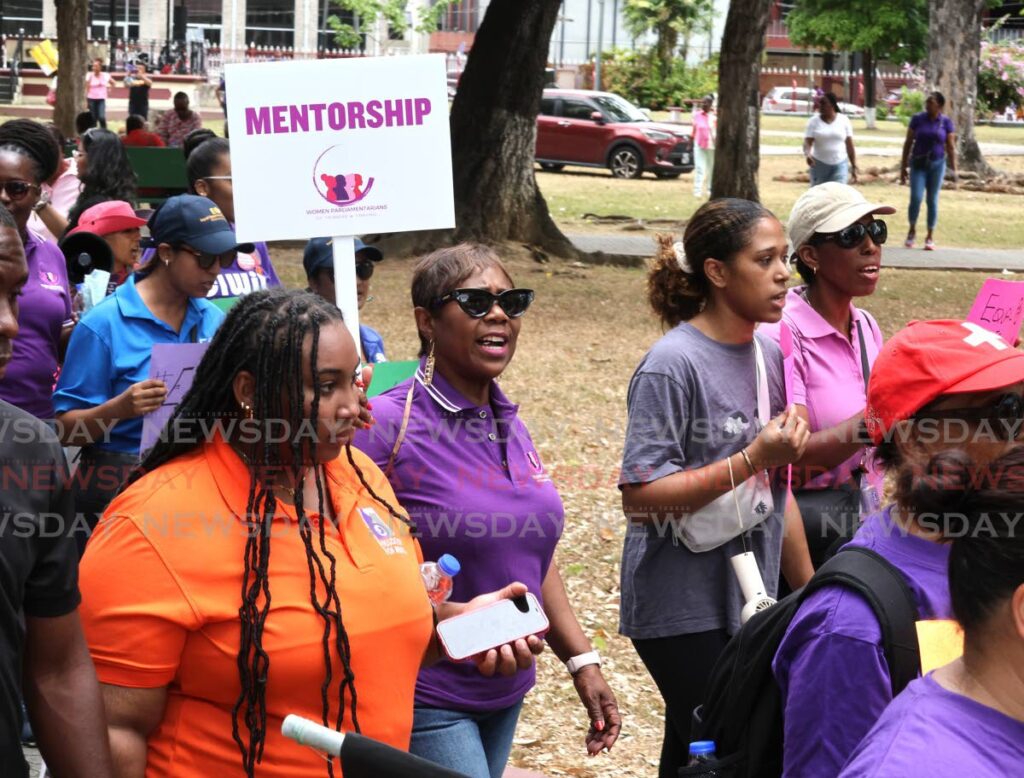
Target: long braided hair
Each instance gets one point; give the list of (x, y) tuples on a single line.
[(264, 334)]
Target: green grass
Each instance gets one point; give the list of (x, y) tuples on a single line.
[(967, 219)]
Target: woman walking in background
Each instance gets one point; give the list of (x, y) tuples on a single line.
[(931, 138), (705, 128), (828, 144), (97, 85)]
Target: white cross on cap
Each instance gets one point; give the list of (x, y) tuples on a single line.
[(980, 335)]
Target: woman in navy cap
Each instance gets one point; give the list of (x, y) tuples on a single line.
[(318, 261), (105, 388)]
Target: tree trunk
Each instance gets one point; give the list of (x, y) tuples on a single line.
[(72, 25), (666, 47), (737, 149), (494, 129), (954, 48), (868, 70)]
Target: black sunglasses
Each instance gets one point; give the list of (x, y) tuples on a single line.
[(16, 190), (477, 303), (849, 237), (1006, 407), (364, 269), (206, 261)]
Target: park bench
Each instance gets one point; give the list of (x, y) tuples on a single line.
[(161, 172)]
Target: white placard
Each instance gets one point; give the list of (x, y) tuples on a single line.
[(340, 147)]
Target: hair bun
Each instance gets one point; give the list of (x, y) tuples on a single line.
[(947, 483)]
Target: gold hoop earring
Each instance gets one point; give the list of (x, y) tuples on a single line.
[(428, 371)]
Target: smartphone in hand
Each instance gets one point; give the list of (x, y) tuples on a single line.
[(505, 621)]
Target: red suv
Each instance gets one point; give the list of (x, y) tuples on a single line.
[(601, 129)]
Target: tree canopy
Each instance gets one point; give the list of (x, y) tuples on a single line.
[(668, 19), (895, 29)]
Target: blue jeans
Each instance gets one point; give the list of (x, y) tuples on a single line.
[(822, 173), (98, 109), (475, 744), (928, 177)]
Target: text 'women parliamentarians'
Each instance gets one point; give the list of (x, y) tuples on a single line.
[(313, 117)]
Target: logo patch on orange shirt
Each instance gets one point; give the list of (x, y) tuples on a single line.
[(382, 532)]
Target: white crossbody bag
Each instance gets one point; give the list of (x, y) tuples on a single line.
[(744, 506)]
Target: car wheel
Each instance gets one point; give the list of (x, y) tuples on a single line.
[(626, 163), (552, 166), (666, 176)]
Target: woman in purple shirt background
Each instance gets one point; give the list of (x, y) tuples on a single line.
[(837, 246), (937, 385), (931, 139), (29, 155), (966, 718), (464, 467)]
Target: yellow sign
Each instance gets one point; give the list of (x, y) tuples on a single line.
[(941, 642), (45, 55)]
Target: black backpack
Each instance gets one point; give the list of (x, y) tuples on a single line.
[(742, 711)]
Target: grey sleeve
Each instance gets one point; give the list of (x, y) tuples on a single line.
[(657, 426)]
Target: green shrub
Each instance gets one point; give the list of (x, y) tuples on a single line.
[(637, 76), (881, 110), (912, 102)]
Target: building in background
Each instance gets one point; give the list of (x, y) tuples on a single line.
[(300, 25)]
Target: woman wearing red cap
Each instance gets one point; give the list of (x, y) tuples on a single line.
[(116, 223), (937, 385)]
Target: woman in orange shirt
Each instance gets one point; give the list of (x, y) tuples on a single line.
[(202, 638)]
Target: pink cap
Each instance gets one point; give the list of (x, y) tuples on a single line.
[(108, 217)]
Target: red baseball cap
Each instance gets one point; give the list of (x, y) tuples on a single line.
[(928, 359), (108, 217)]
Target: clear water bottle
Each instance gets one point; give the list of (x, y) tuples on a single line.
[(702, 752), (437, 577)]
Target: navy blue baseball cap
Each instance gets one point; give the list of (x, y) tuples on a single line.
[(197, 222), (319, 253)]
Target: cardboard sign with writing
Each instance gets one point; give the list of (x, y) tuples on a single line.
[(175, 364), (340, 146), (999, 308)]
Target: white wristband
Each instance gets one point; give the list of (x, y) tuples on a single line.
[(577, 663)]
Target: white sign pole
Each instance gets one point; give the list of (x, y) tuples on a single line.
[(345, 285)]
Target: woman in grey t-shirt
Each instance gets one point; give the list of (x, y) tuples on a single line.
[(693, 417)]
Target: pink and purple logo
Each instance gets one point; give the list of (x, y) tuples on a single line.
[(334, 184)]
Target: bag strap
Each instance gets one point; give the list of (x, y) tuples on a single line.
[(764, 407), (864, 366), (401, 430), (886, 590)]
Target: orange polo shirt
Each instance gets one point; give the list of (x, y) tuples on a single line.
[(161, 585)]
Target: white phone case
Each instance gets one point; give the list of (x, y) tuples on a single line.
[(503, 622)]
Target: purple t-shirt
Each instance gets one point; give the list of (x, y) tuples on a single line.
[(473, 481), (930, 135), (830, 665), (43, 310), (248, 273), (931, 731)]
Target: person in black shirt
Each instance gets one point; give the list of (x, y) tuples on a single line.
[(139, 84), (43, 655)]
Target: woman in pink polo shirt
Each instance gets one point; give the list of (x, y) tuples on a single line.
[(837, 246), (96, 84)]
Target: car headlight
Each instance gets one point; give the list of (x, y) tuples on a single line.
[(656, 135)]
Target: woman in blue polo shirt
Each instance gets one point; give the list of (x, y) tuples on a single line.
[(463, 465), (105, 388)]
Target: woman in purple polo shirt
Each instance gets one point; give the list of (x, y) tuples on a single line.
[(930, 143), (966, 718), (29, 155), (464, 467), (837, 246), (937, 385)]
